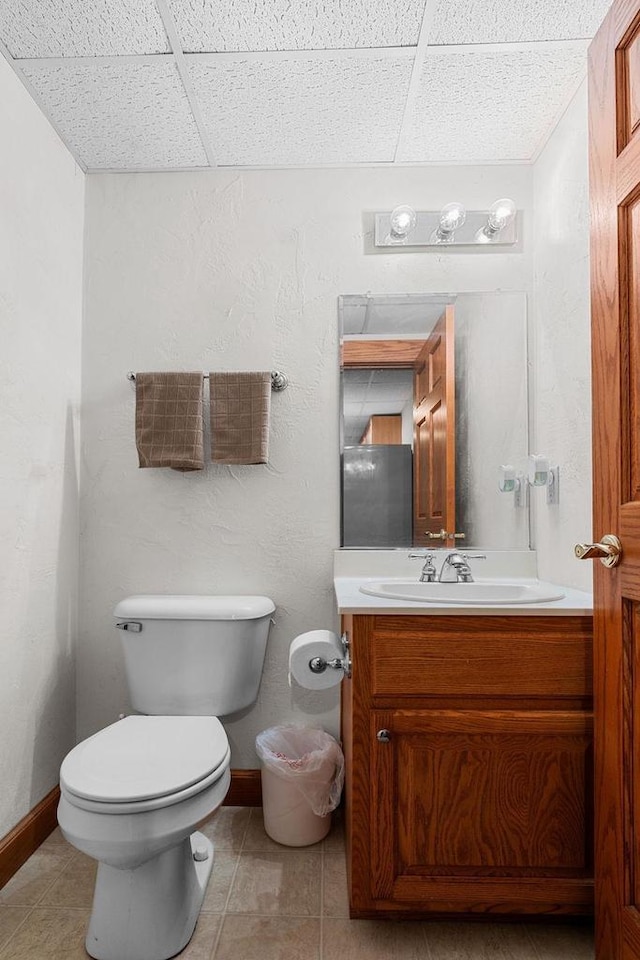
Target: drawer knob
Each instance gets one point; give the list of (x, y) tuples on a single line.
[(383, 736)]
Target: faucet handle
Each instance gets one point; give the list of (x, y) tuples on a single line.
[(428, 574), (424, 555), (475, 556)]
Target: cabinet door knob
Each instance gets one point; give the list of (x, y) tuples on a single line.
[(383, 736)]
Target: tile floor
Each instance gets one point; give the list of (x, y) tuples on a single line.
[(264, 902)]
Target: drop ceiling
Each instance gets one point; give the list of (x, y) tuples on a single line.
[(369, 393), (185, 84)]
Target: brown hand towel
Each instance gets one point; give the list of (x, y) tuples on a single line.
[(240, 405), (169, 420)]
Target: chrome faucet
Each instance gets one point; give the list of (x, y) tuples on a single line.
[(456, 569), (428, 574)]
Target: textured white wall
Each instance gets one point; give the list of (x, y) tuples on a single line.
[(240, 270), (41, 236), (562, 414), (492, 414)]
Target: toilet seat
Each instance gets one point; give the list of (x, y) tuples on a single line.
[(142, 763)]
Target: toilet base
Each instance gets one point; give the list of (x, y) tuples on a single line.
[(150, 912)]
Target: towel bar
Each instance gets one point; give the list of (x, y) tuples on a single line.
[(279, 381)]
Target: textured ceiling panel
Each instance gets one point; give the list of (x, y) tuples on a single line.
[(79, 28), (474, 107), (121, 116), (302, 111), (502, 21), (211, 26)]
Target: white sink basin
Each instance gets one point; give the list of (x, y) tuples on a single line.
[(481, 592)]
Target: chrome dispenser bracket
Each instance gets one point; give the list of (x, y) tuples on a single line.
[(319, 664)]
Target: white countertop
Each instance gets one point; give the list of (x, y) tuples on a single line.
[(354, 568), (351, 600)]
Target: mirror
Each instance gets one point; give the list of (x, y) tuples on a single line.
[(434, 400)]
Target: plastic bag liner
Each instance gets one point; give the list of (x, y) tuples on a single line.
[(307, 757)]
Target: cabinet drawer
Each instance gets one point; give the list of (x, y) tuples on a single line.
[(506, 657)]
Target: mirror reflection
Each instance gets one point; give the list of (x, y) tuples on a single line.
[(434, 401)]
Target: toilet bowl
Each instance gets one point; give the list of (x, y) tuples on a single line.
[(131, 797)]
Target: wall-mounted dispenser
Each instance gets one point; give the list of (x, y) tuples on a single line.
[(539, 474), (542, 474), (513, 481), (538, 470), (319, 659), (506, 478)]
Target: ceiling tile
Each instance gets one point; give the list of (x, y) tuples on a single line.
[(81, 28), (121, 116), (383, 407), (501, 21), (210, 26), (478, 106), (351, 406), (289, 111), (392, 385), (360, 378)]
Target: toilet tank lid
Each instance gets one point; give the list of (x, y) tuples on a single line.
[(167, 607)]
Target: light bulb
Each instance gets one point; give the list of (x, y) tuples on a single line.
[(501, 214), (452, 216), (402, 221)]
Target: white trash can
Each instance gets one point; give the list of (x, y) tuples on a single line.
[(302, 775)]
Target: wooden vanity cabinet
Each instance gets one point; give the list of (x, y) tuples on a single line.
[(468, 743)]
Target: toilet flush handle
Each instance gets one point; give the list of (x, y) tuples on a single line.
[(133, 625)]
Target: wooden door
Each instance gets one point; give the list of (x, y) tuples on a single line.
[(614, 136), (434, 441)]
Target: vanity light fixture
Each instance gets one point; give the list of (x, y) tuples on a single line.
[(453, 226), (501, 214)]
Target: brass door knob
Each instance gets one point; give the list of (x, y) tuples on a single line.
[(608, 551), (444, 535)]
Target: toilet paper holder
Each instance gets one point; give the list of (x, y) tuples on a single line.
[(319, 664)]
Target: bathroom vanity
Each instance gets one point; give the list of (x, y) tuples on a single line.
[(467, 733)]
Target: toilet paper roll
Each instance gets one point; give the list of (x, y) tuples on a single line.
[(315, 643)]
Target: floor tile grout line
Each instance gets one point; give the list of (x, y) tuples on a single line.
[(19, 927), (279, 916), (528, 936), (46, 890), (216, 939), (321, 944), (216, 942), (223, 913), (246, 828), (427, 945)]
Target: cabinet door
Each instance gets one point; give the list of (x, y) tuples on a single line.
[(481, 810)]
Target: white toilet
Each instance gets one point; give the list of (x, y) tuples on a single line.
[(133, 794)]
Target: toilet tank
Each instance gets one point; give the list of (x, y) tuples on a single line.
[(193, 656)]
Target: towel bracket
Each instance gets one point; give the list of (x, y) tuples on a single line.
[(279, 381)]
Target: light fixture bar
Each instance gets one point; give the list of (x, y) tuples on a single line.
[(427, 223)]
